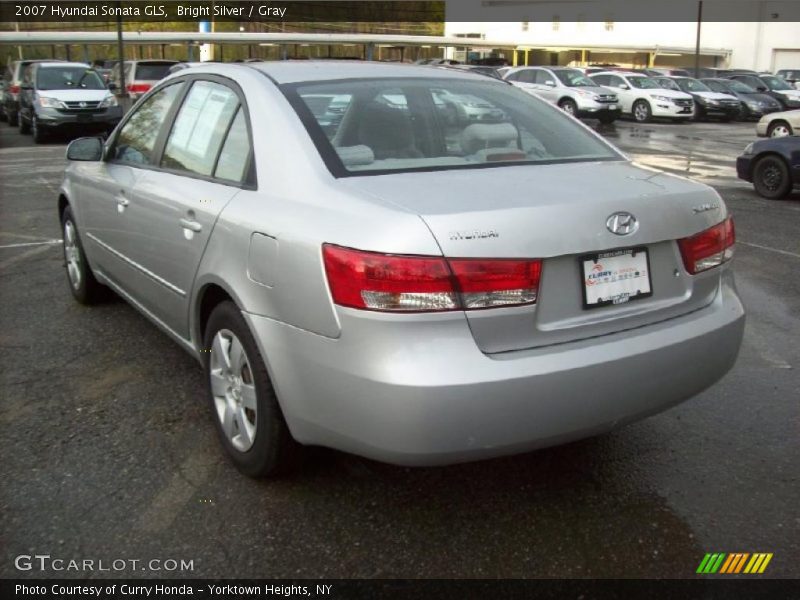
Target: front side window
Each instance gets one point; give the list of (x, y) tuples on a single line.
[(738, 86), (137, 138), (200, 127), (68, 78), (430, 123)]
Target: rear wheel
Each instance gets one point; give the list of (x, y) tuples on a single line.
[(641, 111), (569, 106), (771, 177), (779, 129), (245, 408)]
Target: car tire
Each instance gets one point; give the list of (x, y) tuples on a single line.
[(23, 126), (771, 177), (607, 119), (82, 283), (779, 129), (569, 107), (642, 113), (242, 399), (39, 135)]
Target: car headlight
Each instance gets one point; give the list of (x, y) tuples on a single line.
[(109, 101), (748, 149), (712, 102), (46, 102), (663, 98)]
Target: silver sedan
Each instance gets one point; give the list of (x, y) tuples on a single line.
[(357, 266)]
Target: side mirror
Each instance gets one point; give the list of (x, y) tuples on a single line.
[(86, 149), (623, 86), (761, 88)]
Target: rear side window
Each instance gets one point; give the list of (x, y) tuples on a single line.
[(200, 128), (235, 155), (137, 138)]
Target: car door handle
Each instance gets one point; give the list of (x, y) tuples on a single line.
[(123, 201), (191, 225)]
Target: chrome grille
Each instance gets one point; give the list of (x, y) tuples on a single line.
[(683, 102), (82, 105)]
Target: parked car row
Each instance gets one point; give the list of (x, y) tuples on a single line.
[(605, 95)]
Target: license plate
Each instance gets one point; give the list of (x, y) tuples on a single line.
[(84, 118), (612, 107), (615, 277)]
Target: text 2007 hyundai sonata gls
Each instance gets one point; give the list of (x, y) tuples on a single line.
[(363, 260)]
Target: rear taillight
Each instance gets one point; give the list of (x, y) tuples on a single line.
[(709, 248), (138, 88), (399, 283), (14, 89)]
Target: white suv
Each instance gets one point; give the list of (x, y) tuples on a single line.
[(569, 89), (643, 98)]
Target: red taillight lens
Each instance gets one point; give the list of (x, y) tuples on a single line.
[(397, 283), (14, 89), (709, 248), (138, 88)]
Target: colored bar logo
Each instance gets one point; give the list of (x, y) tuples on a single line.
[(736, 562)]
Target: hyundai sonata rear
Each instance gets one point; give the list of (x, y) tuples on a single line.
[(405, 283)]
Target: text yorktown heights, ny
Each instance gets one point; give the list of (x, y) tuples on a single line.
[(154, 590)]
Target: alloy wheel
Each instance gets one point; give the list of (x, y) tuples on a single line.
[(72, 255), (780, 130), (233, 389), (771, 177)]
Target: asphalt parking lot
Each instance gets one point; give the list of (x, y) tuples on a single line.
[(109, 451)]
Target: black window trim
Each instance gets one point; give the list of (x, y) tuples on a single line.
[(339, 171), (249, 181)]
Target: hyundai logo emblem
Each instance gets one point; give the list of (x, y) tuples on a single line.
[(622, 223)]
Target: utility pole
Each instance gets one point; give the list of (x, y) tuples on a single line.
[(697, 42), (123, 90)]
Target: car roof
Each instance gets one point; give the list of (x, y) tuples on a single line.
[(61, 64), (622, 73), (289, 71)]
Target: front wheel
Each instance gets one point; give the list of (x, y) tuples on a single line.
[(641, 111), (82, 283), (607, 119), (39, 135), (569, 107), (771, 177), (23, 125), (779, 129), (245, 408)]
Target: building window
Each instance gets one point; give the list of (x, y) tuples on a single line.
[(556, 23), (525, 26), (609, 25)]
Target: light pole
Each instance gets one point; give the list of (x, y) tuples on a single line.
[(697, 41)]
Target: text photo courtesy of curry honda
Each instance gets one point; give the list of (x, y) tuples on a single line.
[(345, 287)]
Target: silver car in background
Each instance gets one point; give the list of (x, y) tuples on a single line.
[(402, 282), (569, 89)]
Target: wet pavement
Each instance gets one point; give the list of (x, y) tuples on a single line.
[(109, 451)]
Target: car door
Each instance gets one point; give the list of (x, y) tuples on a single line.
[(104, 189), (545, 85), (203, 164), (625, 94), (524, 79)]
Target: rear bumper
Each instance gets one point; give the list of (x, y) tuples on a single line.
[(421, 393)]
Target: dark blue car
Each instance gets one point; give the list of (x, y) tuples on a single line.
[(772, 166)]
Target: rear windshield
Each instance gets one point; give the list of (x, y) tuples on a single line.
[(68, 78), (399, 124), (152, 71)]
